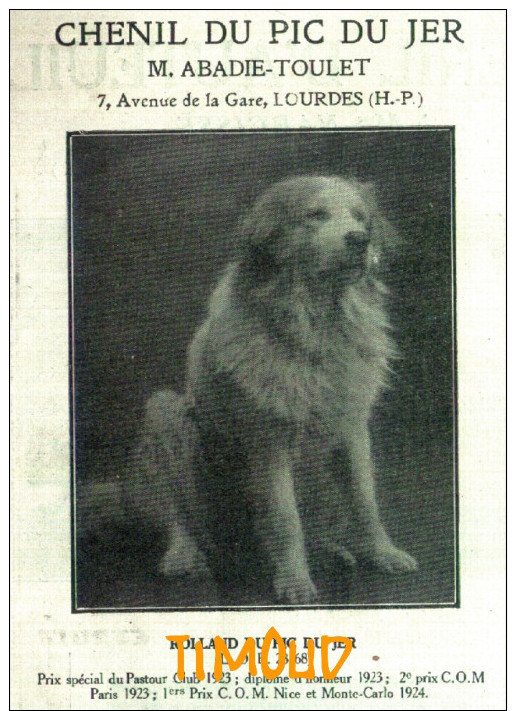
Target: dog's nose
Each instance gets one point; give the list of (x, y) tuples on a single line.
[(357, 240)]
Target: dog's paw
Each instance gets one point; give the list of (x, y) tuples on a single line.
[(295, 587), (342, 553), (389, 559), (182, 558)]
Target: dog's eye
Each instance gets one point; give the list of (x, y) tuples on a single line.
[(318, 214), (358, 215)]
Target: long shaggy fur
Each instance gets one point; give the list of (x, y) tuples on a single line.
[(284, 371)]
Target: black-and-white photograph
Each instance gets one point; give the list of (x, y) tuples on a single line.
[(262, 355)]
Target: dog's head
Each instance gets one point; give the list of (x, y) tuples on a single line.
[(325, 230)]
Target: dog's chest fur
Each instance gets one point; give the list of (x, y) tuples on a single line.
[(299, 364)]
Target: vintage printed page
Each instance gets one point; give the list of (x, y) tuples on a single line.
[(258, 359)]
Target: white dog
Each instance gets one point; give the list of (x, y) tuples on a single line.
[(289, 363)]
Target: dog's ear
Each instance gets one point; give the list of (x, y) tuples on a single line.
[(383, 232), (260, 236), (261, 261)]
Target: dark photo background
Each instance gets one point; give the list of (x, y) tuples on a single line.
[(153, 218)]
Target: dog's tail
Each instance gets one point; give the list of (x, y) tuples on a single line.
[(160, 469)]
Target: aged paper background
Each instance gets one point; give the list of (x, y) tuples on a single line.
[(54, 91)]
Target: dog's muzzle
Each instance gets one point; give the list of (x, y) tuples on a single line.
[(356, 254), (351, 264)]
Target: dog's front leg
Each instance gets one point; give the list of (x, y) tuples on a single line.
[(374, 541), (277, 522)]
